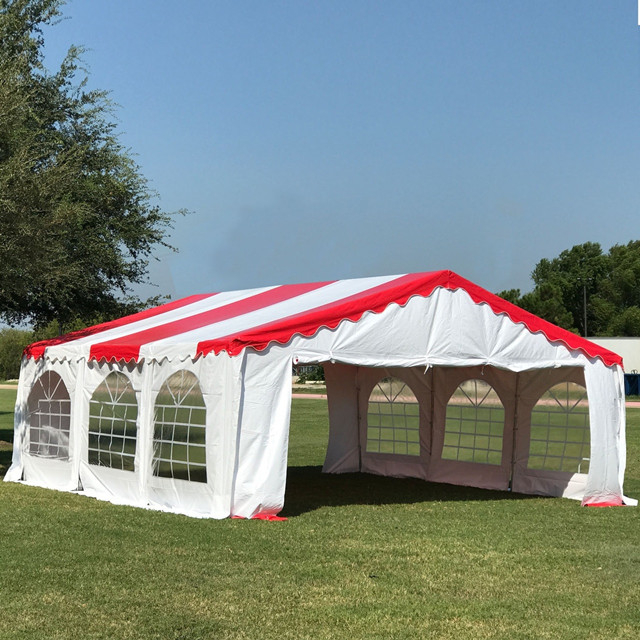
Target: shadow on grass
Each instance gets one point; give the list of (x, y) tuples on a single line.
[(309, 489), (5, 463), (6, 440), (6, 430)]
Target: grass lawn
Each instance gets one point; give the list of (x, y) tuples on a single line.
[(360, 557)]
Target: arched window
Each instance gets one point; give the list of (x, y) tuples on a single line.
[(113, 415), (560, 430), (474, 424), (49, 417), (179, 449), (393, 419)]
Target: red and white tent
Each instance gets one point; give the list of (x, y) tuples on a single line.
[(186, 406)]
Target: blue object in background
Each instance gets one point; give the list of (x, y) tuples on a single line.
[(631, 384)]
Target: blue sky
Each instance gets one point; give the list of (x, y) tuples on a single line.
[(324, 140)]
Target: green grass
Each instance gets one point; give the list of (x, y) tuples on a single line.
[(360, 557)]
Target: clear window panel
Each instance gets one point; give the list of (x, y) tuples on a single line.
[(474, 424), (113, 417), (179, 442), (49, 418), (393, 419), (560, 437)]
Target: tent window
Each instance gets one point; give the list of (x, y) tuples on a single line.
[(393, 419), (474, 424), (560, 430), (179, 449), (49, 417), (113, 414)]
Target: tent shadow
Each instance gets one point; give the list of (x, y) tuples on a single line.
[(5, 463), (6, 453), (6, 433), (308, 489)]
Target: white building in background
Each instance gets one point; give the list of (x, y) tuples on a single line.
[(628, 348)]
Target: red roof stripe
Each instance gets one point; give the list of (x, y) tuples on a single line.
[(36, 350), (329, 315), (128, 347)]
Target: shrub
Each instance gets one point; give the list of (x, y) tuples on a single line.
[(12, 344), (315, 375)]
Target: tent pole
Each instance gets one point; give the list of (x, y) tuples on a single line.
[(584, 302), (431, 412), (359, 426), (514, 440)]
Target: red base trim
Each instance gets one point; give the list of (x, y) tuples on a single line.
[(604, 504), (262, 516)]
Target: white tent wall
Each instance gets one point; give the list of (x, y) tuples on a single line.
[(607, 413), (478, 343), (388, 464), (50, 472), (263, 435), (343, 448), (349, 389), (120, 486), (531, 385), (487, 476), (219, 379)]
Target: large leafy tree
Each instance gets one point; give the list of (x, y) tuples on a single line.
[(618, 297), (78, 222), (584, 279)]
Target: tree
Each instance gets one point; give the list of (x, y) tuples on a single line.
[(584, 280), (573, 275), (627, 323), (546, 301), (78, 223), (511, 295), (12, 344), (622, 282)]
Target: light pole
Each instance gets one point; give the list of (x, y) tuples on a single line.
[(584, 304)]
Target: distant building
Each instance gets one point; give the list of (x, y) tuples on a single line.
[(628, 348)]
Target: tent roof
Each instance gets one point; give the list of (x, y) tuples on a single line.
[(257, 317)]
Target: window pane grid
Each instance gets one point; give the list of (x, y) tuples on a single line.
[(393, 419), (113, 416), (180, 429), (474, 424), (560, 436), (48, 436), (49, 418)]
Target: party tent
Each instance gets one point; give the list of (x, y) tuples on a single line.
[(185, 407)]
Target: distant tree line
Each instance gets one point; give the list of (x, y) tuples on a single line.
[(13, 342), (586, 290)]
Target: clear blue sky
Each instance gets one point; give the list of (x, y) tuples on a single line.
[(323, 140)]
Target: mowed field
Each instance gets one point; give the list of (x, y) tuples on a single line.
[(359, 557)]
